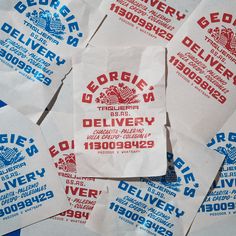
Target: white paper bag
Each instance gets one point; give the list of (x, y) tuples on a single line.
[(30, 189), (217, 213), (201, 88), (144, 22), (159, 205), (81, 192), (37, 39), (119, 112)]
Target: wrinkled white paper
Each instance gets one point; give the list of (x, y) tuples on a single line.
[(201, 88), (82, 193), (217, 213), (143, 22), (119, 112), (37, 39), (159, 205), (30, 189)]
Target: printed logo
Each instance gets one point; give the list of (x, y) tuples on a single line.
[(48, 21), (9, 156), (51, 22), (14, 148), (171, 181), (67, 164), (225, 37), (190, 183), (185, 181), (65, 158), (120, 94), (229, 151), (225, 146)]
